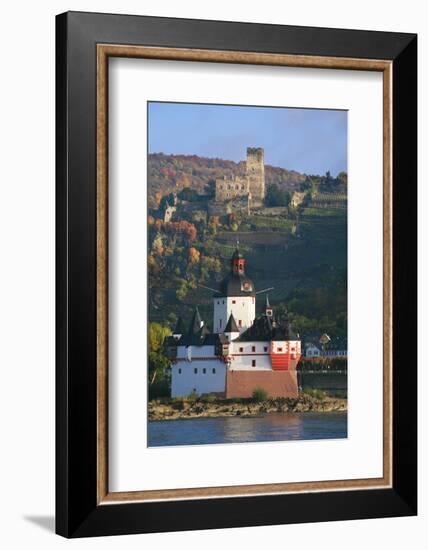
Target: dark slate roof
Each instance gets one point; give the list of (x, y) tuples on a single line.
[(179, 327), (265, 329), (195, 323), (231, 325), (202, 338), (170, 341), (236, 284)]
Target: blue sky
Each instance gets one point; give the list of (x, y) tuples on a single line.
[(311, 141)]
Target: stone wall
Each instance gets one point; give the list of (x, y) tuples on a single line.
[(230, 188), (252, 185), (275, 383)]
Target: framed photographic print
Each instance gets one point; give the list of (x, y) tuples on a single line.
[(236, 274)]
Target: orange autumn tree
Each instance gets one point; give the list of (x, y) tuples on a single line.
[(194, 255), (182, 227)]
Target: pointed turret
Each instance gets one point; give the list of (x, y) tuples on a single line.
[(231, 330), (196, 323), (231, 325)]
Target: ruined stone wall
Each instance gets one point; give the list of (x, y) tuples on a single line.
[(230, 188), (256, 173), (251, 186)]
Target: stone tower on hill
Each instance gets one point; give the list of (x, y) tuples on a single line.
[(247, 190), (256, 173)]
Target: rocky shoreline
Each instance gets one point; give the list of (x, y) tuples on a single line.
[(174, 409)]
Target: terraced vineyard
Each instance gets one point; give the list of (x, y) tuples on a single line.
[(277, 258)]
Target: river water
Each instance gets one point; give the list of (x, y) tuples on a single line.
[(271, 427)]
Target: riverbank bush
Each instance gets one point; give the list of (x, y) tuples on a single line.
[(259, 395), (209, 398)]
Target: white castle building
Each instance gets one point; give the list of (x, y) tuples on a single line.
[(242, 353)]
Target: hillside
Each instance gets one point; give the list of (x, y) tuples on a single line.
[(169, 173), (301, 252), (298, 249)]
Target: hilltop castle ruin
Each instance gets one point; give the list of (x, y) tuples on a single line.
[(249, 189)]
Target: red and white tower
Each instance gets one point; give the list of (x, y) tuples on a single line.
[(236, 296)]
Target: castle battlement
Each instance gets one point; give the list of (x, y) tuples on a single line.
[(251, 185)]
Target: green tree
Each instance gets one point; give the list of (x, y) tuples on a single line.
[(158, 361), (157, 335), (276, 197), (188, 194), (182, 290)]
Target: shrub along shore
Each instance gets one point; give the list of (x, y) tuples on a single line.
[(210, 407)]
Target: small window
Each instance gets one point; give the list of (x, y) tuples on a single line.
[(233, 301), (241, 350), (213, 371), (253, 363), (223, 302), (179, 371), (240, 322), (279, 349), (253, 348), (204, 371), (220, 323), (265, 348), (195, 371)]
